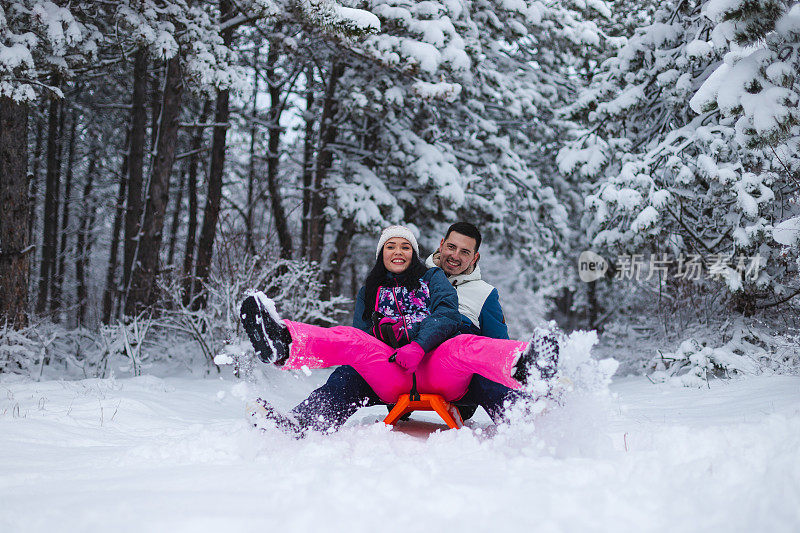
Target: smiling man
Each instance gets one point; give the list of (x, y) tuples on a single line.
[(478, 302)]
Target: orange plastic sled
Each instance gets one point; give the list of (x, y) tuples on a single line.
[(425, 402)]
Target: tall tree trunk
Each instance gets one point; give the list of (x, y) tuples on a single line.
[(133, 211), (593, 306), (251, 170), (208, 232), (84, 242), (50, 226), (54, 297), (273, 154), (155, 107), (191, 229), (14, 216), (327, 135), (143, 279), (308, 161), (111, 289), (37, 163), (176, 217), (58, 284), (34, 188), (205, 246), (332, 278)]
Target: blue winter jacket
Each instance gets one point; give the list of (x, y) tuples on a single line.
[(440, 325)]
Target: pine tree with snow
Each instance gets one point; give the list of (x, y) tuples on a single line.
[(756, 88), (671, 169), (453, 113)]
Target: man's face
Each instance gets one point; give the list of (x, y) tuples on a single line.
[(458, 253)]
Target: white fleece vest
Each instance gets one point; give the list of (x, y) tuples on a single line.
[(472, 292)]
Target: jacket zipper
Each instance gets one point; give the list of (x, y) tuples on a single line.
[(402, 315)]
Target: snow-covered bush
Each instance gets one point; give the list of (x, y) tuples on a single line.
[(18, 352), (693, 364), (749, 351), (297, 291), (171, 334), (45, 349), (126, 339), (294, 285)]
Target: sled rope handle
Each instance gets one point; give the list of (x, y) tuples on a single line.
[(414, 393)]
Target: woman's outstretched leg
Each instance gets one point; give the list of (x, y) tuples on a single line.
[(317, 347), (296, 345)]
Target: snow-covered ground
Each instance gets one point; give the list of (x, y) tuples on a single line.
[(177, 454)]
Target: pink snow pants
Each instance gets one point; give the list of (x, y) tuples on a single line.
[(447, 370)]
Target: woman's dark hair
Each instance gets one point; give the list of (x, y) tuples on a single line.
[(377, 276)]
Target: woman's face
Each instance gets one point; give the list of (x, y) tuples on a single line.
[(397, 254)]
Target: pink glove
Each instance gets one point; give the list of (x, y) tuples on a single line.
[(408, 356)]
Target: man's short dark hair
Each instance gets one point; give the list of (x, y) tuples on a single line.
[(465, 228)]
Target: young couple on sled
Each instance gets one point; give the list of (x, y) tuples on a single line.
[(436, 321)]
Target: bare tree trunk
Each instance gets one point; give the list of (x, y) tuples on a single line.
[(332, 278), (205, 246), (143, 279), (273, 155), (133, 211), (37, 163), (84, 242), (58, 283), (14, 216), (327, 136), (34, 189), (155, 107), (191, 230), (308, 161), (60, 168), (50, 226), (176, 217), (208, 232), (593, 306), (111, 285), (354, 283), (251, 171)]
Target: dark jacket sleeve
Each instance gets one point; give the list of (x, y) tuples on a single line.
[(443, 321), (491, 319), (358, 313), (466, 327)]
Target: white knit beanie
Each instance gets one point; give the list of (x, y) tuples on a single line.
[(396, 231)]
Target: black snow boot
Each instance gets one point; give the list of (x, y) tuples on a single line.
[(268, 335), (540, 357)]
